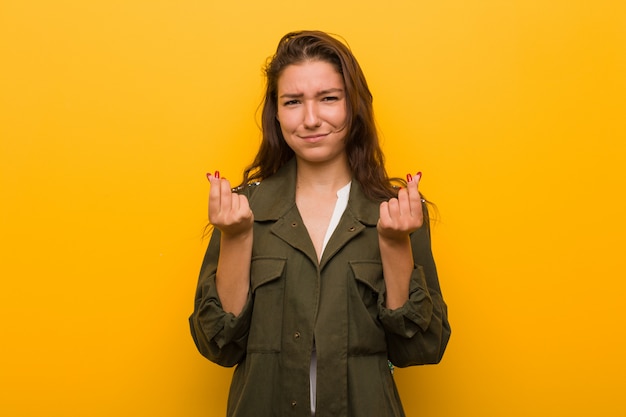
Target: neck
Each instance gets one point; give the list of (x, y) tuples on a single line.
[(323, 177)]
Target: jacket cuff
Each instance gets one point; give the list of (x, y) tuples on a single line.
[(415, 314), (220, 327), (231, 328)]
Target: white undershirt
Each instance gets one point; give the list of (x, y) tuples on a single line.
[(340, 207)]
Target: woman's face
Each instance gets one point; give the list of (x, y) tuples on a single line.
[(312, 111)]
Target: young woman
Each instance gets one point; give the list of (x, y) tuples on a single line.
[(319, 272)]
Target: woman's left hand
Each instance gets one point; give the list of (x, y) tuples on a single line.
[(401, 216)]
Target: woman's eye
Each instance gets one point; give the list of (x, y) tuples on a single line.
[(330, 98), (290, 102)]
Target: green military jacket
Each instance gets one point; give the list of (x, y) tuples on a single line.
[(338, 304)]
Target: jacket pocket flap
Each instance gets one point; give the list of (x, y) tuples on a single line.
[(264, 270), (369, 273)]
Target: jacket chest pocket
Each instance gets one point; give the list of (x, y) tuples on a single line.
[(366, 333), (268, 289), (369, 280)]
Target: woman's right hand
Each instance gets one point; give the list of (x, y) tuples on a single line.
[(228, 211)]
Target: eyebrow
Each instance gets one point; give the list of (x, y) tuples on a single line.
[(321, 93)]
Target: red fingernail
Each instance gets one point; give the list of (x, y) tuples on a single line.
[(208, 176), (409, 177), (419, 175), (217, 174)]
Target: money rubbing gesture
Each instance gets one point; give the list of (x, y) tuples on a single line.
[(399, 217), (231, 214)]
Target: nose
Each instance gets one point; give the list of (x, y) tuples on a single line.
[(311, 116)]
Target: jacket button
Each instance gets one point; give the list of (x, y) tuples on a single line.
[(352, 229), (296, 335), (294, 224), (294, 403)]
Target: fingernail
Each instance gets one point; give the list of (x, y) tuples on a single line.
[(409, 177), (419, 175), (217, 174), (208, 176)]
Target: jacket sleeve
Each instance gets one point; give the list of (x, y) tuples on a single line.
[(219, 336), (418, 332)]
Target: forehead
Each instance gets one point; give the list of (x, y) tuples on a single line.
[(310, 75)]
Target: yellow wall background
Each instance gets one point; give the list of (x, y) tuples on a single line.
[(112, 111)]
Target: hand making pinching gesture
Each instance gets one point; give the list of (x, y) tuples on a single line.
[(228, 211), (401, 216)]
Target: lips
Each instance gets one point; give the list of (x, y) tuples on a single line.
[(315, 137)]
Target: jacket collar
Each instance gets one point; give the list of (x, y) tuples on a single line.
[(276, 195)]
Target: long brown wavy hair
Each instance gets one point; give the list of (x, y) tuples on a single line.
[(365, 157)]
